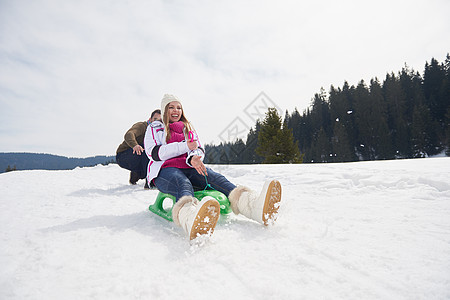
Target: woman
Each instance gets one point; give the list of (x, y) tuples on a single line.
[(176, 167)]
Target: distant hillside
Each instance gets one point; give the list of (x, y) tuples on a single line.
[(33, 161)]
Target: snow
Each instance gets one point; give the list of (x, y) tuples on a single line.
[(366, 230)]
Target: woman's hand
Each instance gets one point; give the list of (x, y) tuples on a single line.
[(192, 145), (197, 163)]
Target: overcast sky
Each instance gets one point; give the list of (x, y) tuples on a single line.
[(75, 75)]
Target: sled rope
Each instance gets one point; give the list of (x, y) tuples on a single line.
[(207, 184), (191, 139)]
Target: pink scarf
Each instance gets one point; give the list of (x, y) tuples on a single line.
[(176, 135)]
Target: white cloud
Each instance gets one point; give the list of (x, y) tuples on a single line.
[(75, 75)]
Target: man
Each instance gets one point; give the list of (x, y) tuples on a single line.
[(130, 154)]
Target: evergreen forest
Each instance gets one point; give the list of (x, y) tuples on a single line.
[(406, 115)]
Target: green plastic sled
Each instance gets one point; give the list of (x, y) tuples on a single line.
[(166, 213)]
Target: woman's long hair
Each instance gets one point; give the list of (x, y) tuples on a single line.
[(187, 124)]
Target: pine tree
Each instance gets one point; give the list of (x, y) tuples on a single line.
[(342, 149), (275, 141), (249, 155), (373, 131), (237, 148), (321, 148), (290, 151), (363, 122), (381, 136), (447, 133), (320, 113), (301, 129), (445, 95), (344, 131), (433, 81), (423, 134), (396, 115)]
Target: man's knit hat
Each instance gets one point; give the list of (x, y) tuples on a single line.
[(166, 100)]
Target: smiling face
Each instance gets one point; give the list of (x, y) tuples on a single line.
[(174, 111)]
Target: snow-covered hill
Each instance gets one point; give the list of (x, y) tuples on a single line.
[(367, 230)]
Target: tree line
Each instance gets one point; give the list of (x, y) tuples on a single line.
[(407, 115), (12, 161)]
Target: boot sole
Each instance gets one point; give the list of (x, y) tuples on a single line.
[(271, 204), (206, 219)]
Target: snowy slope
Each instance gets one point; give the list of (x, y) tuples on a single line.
[(367, 230)]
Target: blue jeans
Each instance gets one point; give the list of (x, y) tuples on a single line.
[(183, 182), (133, 162)]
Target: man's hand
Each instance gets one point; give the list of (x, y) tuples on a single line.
[(197, 163), (138, 150)]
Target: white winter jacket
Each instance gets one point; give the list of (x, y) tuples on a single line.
[(158, 151)]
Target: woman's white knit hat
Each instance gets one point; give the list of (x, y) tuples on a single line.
[(166, 100)]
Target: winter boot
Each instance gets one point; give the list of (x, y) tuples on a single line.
[(196, 217), (262, 208), (134, 177)]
